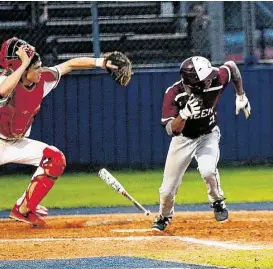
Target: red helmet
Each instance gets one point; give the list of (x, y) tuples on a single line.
[(8, 57), (195, 72)]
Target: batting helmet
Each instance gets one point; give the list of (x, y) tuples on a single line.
[(8, 57), (196, 72)]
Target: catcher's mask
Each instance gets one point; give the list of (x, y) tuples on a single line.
[(8, 57), (197, 74)]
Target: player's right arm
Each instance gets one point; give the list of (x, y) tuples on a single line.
[(174, 119), (170, 113), (8, 83), (191, 109)]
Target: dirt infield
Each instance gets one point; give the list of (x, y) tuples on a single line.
[(129, 234)]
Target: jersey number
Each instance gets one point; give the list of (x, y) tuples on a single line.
[(212, 119)]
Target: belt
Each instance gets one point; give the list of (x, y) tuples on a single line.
[(8, 139), (201, 134)]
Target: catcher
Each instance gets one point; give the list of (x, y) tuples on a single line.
[(23, 85)]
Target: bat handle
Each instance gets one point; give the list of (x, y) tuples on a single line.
[(137, 204)]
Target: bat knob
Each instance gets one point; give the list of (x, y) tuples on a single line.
[(147, 213)]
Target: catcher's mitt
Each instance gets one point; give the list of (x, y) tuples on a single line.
[(123, 74)]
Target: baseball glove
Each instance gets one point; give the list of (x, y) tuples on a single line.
[(123, 74)]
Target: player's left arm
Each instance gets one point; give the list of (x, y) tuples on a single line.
[(241, 102), (84, 63), (53, 74), (235, 77)]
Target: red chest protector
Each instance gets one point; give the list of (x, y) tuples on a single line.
[(18, 115)]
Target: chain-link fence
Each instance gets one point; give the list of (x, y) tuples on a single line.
[(148, 32)]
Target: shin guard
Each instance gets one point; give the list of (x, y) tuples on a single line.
[(37, 190)]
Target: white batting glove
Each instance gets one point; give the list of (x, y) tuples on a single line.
[(243, 103), (192, 108)]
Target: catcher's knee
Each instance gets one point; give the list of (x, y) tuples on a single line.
[(53, 162)]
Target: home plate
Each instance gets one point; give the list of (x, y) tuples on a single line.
[(131, 230)]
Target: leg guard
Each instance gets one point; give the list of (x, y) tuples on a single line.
[(53, 162), (38, 189), (52, 165)]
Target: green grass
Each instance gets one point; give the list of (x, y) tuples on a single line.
[(241, 259), (249, 184)]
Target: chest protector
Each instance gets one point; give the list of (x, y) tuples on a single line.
[(17, 116)]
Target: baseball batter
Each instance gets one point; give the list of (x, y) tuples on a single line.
[(190, 118), (23, 85)]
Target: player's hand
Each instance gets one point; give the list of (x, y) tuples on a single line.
[(192, 108), (104, 64), (108, 64), (22, 52), (243, 103)]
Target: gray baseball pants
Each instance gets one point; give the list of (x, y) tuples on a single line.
[(205, 149)]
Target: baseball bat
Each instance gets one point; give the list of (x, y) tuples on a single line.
[(113, 182)]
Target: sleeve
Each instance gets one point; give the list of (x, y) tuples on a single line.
[(169, 109), (52, 77), (3, 100), (225, 74)]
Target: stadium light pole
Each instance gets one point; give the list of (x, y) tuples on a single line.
[(95, 29), (216, 16), (249, 27)]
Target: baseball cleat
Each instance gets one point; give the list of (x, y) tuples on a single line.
[(220, 210), (29, 218), (161, 223)]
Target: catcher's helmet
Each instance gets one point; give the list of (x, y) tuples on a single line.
[(8, 57), (196, 72)]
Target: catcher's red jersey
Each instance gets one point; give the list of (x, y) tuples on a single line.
[(176, 98), (17, 114)]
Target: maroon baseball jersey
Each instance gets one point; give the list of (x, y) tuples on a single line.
[(175, 99)]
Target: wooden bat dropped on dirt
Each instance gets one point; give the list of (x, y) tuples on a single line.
[(113, 182)]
